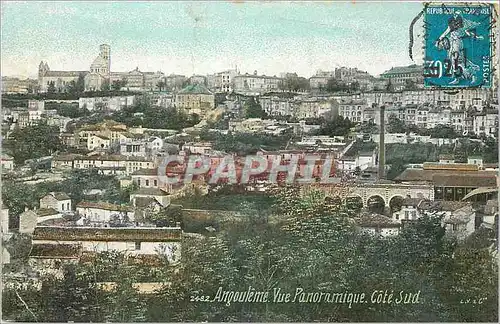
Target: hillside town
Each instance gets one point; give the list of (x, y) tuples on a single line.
[(83, 152)]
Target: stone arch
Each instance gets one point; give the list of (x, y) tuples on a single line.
[(355, 202), (395, 203), (333, 200), (376, 203)]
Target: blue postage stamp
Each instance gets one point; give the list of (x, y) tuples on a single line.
[(458, 46)]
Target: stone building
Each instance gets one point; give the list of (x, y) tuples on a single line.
[(400, 76), (97, 76), (195, 99)]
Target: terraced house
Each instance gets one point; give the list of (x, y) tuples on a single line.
[(195, 99)]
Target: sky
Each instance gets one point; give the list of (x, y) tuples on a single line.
[(202, 37)]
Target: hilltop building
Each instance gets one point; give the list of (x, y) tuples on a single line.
[(97, 76)]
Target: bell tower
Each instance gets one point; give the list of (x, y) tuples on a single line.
[(105, 53)]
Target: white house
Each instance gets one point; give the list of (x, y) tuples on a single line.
[(376, 224), (198, 148), (155, 144), (102, 213), (162, 197), (59, 201), (409, 210), (133, 148), (5, 234), (7, 162), (131, 240), (29, 219), (477, 160), (98, 142), (461, 222), (363, 160), (54, 246)]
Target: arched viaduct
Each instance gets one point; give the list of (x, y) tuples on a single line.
[(384, 192)]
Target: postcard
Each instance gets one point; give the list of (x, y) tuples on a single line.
[(249, 161)]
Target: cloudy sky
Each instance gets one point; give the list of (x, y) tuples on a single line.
[(206, 37)]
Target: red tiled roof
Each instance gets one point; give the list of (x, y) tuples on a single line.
[(376, 220), (55, 251), (130, 234)]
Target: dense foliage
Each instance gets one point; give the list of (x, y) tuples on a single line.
[(243, 144), (147, 116), (338, 126), (17, 195), (70, 110), (335, 85), (307, 245), (33, 142), (252, 109)]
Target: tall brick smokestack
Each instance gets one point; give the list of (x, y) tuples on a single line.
[(381, 149)]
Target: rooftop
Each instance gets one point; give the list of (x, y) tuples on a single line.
[(65, 73), (150, 192), (59, 196), (476, 178), (376, 220), (405, 69), (195, 89), (143, 202), (141, 234), (146, 172), (55, 251), (42, 212), (103, 205)]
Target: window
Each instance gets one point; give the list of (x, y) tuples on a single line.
[(62, 206), (155, 183), (67, 206), (137, 246), (407, 214), (454, 227), (147, 183), (413, 215)]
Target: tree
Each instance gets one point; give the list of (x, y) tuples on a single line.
[(253, 109), (161, 85), (334, 85), (293, 82), (396, 125), (105, 86), (33, 142), (396, 168), (389, 87), (118, 84), (80, 83), (354, 86), (168, 216), (338, 126), (443, 131), (52, 87)]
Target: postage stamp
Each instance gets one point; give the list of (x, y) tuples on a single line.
[(458, 45), (248, 161)]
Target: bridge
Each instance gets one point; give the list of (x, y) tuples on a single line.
[(370, 193)]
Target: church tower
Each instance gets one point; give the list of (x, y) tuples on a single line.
[(105, 53), (42, 70)]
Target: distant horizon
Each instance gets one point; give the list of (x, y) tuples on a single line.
[(200, 38)]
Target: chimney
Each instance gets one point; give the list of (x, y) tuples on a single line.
[(381, 150)]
